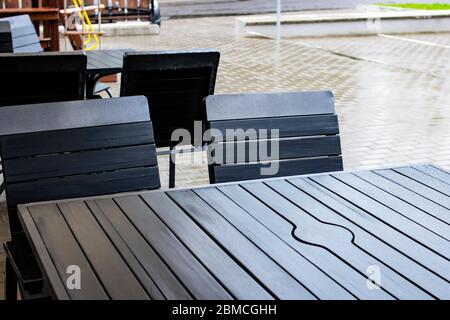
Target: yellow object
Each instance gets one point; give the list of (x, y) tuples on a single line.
[(87, 26)]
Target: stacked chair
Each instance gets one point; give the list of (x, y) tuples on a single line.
[(27, 78), (22, 34), (23, 38)]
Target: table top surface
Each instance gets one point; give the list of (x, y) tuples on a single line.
[(380, 234), (105, 61)]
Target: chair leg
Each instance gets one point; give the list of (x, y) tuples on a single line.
[(171, 169), (10, 282), (109, 93), (2, 185)]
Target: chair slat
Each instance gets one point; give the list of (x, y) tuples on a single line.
[(43, 62), (287, 126), (74, 140), (261, 105), (288, 149), (72, 115), (84, 185), (29, 47), (60, 165), (237, 172), (23, 31), (26, 40)]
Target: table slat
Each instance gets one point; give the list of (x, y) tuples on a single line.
[(374, 237), (425, 179), (385, 232), (109, 266), (293, 261), (435, 172), (420, 202), (400, 206), (57, 285), (122, 247), (200, 283), (416, 232), (64, 251), (339, 241), (416, 187), (160, 273), (240, 284), (101, 61), (269, 273)]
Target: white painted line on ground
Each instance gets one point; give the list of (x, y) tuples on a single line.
[(361, 58), (427, 43)]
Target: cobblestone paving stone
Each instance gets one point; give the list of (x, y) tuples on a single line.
[(392, 93)]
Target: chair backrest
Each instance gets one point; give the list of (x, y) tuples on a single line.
[(41, 77), (5, 37), (76, 149), (175, 84), (23, 33), (308, 135)]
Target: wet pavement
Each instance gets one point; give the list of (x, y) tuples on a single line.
[(392, 93)]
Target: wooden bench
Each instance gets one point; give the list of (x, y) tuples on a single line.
[(307, 126), (73, 149)]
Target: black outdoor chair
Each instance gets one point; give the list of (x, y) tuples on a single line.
[(24, 39), (5, 37), (309, 139), (29, 78), (70, 149), (175, 83)]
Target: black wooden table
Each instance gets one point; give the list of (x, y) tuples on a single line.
[(102, 63), (322, 236)]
